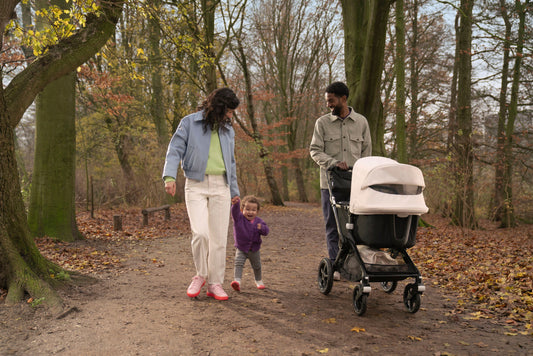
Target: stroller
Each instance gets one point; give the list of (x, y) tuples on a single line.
[(376, 206)]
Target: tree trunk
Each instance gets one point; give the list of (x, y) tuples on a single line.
[(464, 212), (299, 177), (285, 183), (123, 155), (22, 268), (156, 101), (264, 153), (412, 127), (399, 65), (508, 217), (355, 20), (52, 210), (499, 164), (366, 99), (452, 115), (208, 15)]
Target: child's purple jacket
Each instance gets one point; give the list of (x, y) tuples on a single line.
[(245, 233)]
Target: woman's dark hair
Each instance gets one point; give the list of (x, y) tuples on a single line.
[(215, 106), (339, 89)]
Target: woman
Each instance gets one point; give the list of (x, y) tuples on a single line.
[(204, 143)]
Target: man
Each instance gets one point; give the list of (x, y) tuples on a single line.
[(339, 139)]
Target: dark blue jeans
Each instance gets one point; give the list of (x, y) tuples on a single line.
[(332, 235)]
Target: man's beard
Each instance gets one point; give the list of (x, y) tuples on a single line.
[(336, 111)]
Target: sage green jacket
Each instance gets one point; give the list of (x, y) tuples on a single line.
[(336, 140)]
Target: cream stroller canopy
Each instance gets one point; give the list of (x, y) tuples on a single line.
[(383, 186)]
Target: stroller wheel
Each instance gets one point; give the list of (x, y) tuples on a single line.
[(325, 276), (359, 300), (411, 298), (389, 286)]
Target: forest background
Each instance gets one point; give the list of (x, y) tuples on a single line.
[(131, 96), (453, 84)]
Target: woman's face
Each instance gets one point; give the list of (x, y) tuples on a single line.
[(229, 113)]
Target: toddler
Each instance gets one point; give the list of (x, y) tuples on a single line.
[(247, 231)]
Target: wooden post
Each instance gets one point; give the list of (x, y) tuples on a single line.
[(145, 218), (167, 213), (92, 199), (117, 222)]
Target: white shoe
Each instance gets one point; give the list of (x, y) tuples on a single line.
[(336, 276)]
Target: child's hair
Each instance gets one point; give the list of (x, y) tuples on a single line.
[(250, 199)]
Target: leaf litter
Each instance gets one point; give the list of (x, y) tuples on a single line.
[(488, 273)]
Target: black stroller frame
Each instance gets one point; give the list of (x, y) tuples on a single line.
[(387, 231)]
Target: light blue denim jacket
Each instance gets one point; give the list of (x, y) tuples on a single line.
[(190, 146)]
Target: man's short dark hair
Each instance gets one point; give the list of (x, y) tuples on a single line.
[(339, 89)]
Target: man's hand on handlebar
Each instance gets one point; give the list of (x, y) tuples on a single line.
[(343, 166)]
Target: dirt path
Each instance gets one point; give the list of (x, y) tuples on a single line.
[(142, 309)]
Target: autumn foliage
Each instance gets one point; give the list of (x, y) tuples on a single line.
[(488, 272)]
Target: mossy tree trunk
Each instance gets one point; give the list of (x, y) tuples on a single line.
[(52, 210), (22, 268), (365, 26)]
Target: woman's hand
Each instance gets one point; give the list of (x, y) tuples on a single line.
[(170, 188), (235, 199)]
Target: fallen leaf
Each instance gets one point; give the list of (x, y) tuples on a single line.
[(358, 329)]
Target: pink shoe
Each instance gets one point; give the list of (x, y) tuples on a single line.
[(259, 284), (236, 286), (216, 291), (195, 286)]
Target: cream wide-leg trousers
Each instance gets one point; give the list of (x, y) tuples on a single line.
[(208, 206)]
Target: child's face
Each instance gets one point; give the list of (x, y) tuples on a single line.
[(249, 210)]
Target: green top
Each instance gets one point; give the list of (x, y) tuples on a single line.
[(215, 161)]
